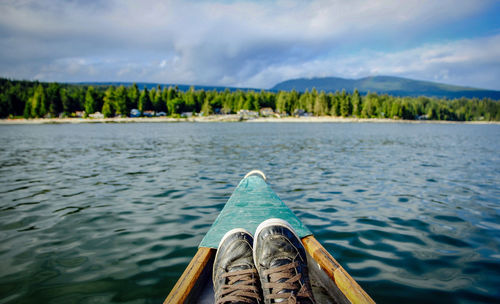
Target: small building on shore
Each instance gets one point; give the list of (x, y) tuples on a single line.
[(247, 114), (301, 113), (97, 115), (78, 114), (267, 112), (135, 113)]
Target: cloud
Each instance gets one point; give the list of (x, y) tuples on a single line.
[(468, 62), (237, 43)]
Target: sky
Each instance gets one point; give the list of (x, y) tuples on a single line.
[(250, 43)]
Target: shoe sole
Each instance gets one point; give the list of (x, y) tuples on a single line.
[(268, 223), (226, 235)]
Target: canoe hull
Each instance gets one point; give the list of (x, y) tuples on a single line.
[(331, 283), (254, 201)]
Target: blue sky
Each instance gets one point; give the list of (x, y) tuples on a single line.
[(250, 43)]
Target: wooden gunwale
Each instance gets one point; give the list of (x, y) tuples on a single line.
[(347, 285), (182, 289)]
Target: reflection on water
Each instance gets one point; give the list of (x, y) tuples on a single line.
[(101, 213)]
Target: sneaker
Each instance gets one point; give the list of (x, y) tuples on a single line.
[(234, 275), (281, 261)]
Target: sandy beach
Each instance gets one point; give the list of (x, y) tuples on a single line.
[(226, 118)]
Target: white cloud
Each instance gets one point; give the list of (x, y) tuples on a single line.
[(240, 43), (468, 62)]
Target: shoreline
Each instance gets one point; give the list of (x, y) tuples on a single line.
[(228, 118)]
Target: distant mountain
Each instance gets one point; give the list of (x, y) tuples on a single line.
[(150, 85), (396, 86)]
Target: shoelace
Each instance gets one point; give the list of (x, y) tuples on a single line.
[(289, 286), (244, 291)]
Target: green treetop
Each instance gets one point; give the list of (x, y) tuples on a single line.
[(38, 102), (121, 103), (356, 103), (345, 104), (133, 97), (108, 107), (90, 102), (145, 103), (321, 104)]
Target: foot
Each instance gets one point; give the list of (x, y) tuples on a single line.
[(281, 261), (234, 275)]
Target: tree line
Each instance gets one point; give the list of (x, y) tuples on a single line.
[(32, 99)]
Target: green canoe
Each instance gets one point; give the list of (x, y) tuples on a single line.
[(252, 202)]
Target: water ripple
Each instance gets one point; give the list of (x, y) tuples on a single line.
[(113, 213)]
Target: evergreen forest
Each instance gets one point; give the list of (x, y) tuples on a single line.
[(33, 99)]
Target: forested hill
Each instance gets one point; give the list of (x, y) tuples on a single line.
[(395, 86)]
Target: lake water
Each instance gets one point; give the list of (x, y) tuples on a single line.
[(113, 213)]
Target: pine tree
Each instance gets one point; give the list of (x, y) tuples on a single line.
[(53, 103), (309, 99), (190, 100), (120, 101), (302, 101), (27, 110), (108, 109), (256, 104), (345, 104), (356, 103), (90, 103), (65, 102), (109, 101), (133, 98), (145, 103), (335, 109), (248, 104), (369, 107), (227, 104), (164, 98), (281, 102), (38, 101), (321, 105), (239, 102), (206, 109), (159, 104), (395, 110)]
